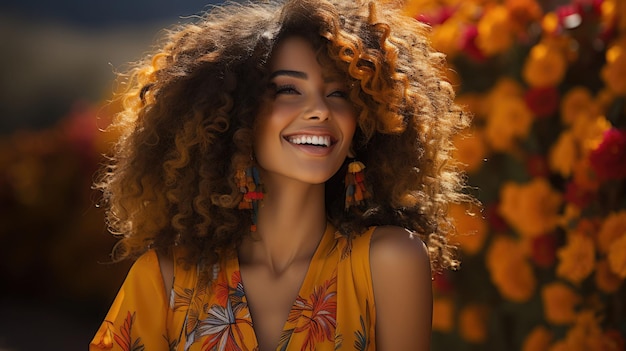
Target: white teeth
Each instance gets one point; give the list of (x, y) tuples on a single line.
[(322, 140)]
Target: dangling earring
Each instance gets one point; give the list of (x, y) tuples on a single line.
[(249, 183), (356, 192)]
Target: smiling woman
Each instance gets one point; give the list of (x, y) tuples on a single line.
[(282, 178)]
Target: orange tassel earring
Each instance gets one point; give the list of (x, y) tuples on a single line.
[(356, 192), (249, 183)]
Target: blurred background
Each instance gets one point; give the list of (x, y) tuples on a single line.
[(543, 263), (57, 71)]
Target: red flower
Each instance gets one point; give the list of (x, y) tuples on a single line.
[(570, 16), (609, 159), (537, 166), (468, 43), (577, 195), (437, 17), (442, 283), (496, 222), (544, 250), (543, 101)]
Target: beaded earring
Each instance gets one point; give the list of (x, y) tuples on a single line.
[(356, 192), (249, 183)]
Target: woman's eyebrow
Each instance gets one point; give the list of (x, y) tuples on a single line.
[(284, 72)]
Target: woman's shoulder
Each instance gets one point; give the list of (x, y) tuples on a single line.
[(401, 279), (396, 245)]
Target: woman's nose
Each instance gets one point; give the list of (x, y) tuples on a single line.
[(318, 108)]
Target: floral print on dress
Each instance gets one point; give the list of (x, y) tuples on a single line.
[(333, 309), (317, 316), (124, 339)]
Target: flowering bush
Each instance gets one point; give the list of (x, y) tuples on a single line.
[(545, 266)]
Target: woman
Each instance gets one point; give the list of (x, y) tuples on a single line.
[(279, 164)]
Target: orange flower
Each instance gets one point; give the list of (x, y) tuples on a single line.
[(509, 269), (538, 339), (564, 154), (617, 255), (612, 228), (584, 177), (471, 228), (559, 302), (472, 102), (522, 12), (605, 279), (494, 31), (589, 131), (508, 119), (443, 314), (445, 37), (544, 66), (586, 334), (504, 88), (614, 70), (470, 150), (576, 101), (532, 208), (472, 323), (577, 258)]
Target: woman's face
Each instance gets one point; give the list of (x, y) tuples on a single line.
[(305, 126)]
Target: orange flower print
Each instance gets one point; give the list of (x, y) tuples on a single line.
[(222, 327), (124, 339), (319, 313)]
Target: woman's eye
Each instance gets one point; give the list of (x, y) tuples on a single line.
[(339, 93), (286, 89)]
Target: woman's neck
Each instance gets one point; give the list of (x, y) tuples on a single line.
[(290, 224)]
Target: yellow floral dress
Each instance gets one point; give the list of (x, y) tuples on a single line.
[(334, 309)]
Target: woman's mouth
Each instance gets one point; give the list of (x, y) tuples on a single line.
[(313, 140)]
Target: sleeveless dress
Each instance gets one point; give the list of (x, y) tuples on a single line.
[(334, 309)]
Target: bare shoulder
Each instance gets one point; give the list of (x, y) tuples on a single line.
[(393, 246), (401, 279)]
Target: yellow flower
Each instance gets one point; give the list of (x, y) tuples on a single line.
[(522, 12), (494, 31), (538, 339), (559, 303), (576, 101), (564, 154), (545, 66), (606, 281), (470, 226), (531, 208), (509, 119), (588, 131), (445, 37), (550, 23), (509, 269), (503, 89), (612, 229), (470, 149), (472, 323), (586, 334), (617, 255), (443, 314), (614, 70), (576, 258)]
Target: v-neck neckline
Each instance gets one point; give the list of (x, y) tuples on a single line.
[(321, 246)]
